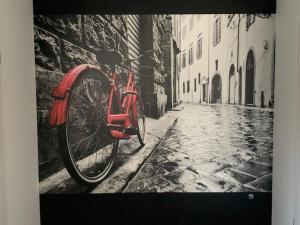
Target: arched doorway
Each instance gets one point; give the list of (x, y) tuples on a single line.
[(216, 91), (240, 86), (249, 86), (231, 85)]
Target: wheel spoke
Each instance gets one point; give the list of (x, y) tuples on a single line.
[(86, 147), (81, 124), (73, 135), (80, 97), (84, 139)]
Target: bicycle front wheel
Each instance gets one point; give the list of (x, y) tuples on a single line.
[(87, 148), (141, 120)]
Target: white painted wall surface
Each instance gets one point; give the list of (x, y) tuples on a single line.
[(18, 114), (287, 129), (2, 167)]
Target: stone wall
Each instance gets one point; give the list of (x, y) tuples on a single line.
[(167, 60), (162, 66), (62, 42)]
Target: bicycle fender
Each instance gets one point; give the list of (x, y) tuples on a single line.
[(60, 93)]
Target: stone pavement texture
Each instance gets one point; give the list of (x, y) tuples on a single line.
[(127, 163), (212, 148)]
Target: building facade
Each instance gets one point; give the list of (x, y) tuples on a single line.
[(227, 58)]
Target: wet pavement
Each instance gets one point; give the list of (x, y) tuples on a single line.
[(129, 159), (212, 148)]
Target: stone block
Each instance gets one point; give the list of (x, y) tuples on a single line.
[(94, 32), (121, 45), (159, 78), (157, 35), (47, 50), (46, 80), (158, 88), (253, 169), (262, 184), (67, 25), (73, 55), (119, 22), (110, 37), (159, 105), (48, 147), (234, 176), (107, 17)]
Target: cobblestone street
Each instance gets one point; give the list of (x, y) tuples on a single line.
[(212, 148)]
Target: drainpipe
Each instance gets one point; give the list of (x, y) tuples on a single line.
[(238, 54), (208, 89)]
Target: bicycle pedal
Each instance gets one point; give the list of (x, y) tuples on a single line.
[(131, 131)]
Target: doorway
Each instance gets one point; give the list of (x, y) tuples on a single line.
[(240, 86), (203, 92), (216, 91), (249, 86), (231, 85)]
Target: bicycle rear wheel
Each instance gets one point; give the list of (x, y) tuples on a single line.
[(87, 148)]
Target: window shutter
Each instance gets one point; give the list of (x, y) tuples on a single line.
[(134, 38)]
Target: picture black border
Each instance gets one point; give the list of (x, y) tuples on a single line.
[(153, 6), (155, 208)]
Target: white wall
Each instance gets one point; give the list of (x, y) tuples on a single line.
[(297, 166), (2, 167), (287, 93), (262, 30), (18, 113)]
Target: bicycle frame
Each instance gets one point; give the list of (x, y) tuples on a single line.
[(118, 123)]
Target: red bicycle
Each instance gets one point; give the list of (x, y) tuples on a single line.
[(92, 116)]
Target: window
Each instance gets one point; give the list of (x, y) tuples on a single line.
[(191, 55), (250, 18), (183, 32), (183, 87), (199, 78), (192, 22), (188, 86), (217, 31), (183, 60), (199, 49), (195, 85)]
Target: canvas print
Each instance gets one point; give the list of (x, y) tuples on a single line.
[(155, 103)]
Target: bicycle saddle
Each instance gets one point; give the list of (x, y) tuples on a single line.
[(109, 57)]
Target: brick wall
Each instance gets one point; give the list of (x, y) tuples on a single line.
[(62, 42)]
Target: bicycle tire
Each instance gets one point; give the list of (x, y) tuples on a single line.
[(97, 172), (141, 123)]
